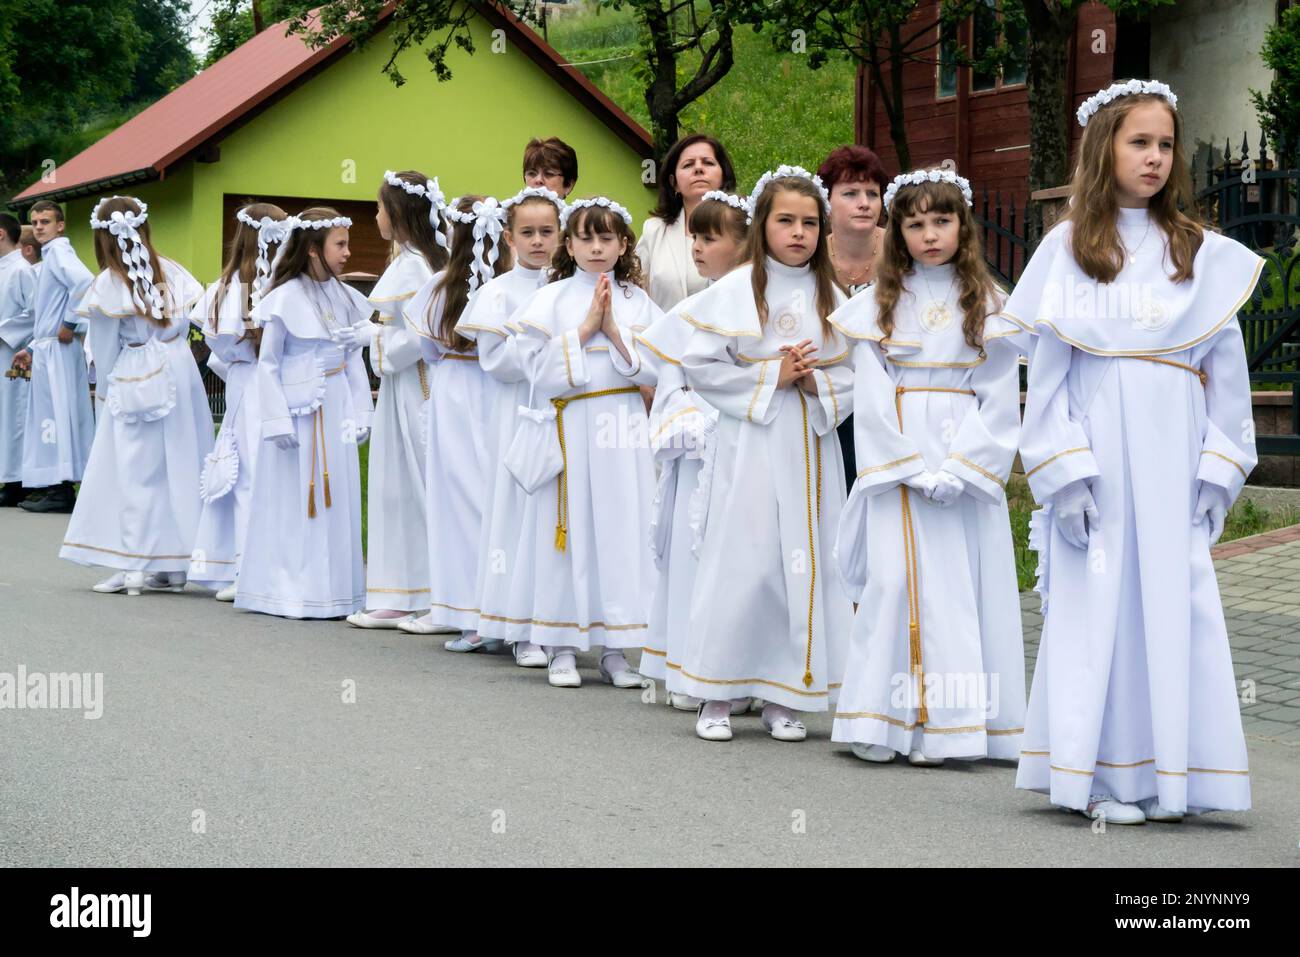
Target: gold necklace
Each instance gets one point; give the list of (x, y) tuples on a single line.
[(854, 280)]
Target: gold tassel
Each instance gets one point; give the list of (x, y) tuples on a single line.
[(561, 538), (807, 679), (327, 490), (311, 498)]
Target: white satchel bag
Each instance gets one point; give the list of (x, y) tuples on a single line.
[(534, 456), (141, 387)]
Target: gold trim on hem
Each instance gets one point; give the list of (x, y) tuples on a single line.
[(1046, 462), (888, 465), (582, 629), (750, 681), (113, 551), (983, 471)]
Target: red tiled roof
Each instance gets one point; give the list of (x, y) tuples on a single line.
[(247, 78)]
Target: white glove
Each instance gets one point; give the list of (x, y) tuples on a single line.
[(286, 442), (363, 434), (947, 488), (1212, 501), (922, 482), (1076, 513), (355, 337)]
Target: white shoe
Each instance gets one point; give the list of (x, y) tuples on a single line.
[(626, 678), (529, 655), (712, 729), (359, 619), (464, 644), (111, 585), (227, 593), (1152, 811), (917, 758), (563, 676), (784, 728), (683, 702), (1113, 812), (134, 582), (165, 581), (423, 625), (875, 753)]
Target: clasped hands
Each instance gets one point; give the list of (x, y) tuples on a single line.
[(797, 367)]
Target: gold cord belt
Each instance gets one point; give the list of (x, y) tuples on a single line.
[(909, 559), (318, 427), (562, 486), (1200, 374), (812, 551)]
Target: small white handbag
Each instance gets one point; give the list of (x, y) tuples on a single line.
[(141, 387), (534, 456)]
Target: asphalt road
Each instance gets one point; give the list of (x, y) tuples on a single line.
[(226, 740)]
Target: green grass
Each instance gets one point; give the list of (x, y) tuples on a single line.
[(769, 109), (1245, 518)]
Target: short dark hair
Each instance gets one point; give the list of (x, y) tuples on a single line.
[(670, 200), (46, 206), (10, 226), (555, 153), (849, 164)]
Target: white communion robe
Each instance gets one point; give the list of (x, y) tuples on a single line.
[(397, 560), (936, 662), (667, 263), (60, 425), (302, 554), (1140, 388), (227, 505), (486, 321), (17, 298), (766, 618), (681, 423), (138, 509), (594, 591), (456, 439)]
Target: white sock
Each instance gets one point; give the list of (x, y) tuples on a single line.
[(716, 709), (614, 662), (775, 712), (471, 636), (564, 660)]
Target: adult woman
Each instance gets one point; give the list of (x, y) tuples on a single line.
[(694, 165)]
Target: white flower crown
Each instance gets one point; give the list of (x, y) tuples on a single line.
[(603, 201), (917, 177), (335, 223), (125, 228), (741, 203), (268, 231), (431, 191), (782, 172), (530, 191), (1124, 88), (488, 216)]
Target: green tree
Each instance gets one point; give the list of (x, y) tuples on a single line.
[(1279, 108), (234, 22), (165, 60)]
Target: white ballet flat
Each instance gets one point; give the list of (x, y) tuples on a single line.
[(227, 593), (359, 619), (917, 758), (684, 702), (627, 678), (785, 729), (1113, 812), (111, 585), (875, 753), (528, 655), (464, 644), (563, 677), (423, 625), (165, 581), (712, 729), (1152, 811)]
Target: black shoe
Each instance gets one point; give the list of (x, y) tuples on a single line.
[(59, 499), (12, 494)]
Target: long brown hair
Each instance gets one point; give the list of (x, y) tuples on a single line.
[(1093, 212), (295, 258), (756, 251), (109, 256), (453, 287), (977, 287), (241, 266), (409, 215), (599, 219)]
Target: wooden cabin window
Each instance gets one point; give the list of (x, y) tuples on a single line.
[(989, 29), (947, 66)]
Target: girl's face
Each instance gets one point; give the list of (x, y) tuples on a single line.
[(1143, 153), (855, 207), (715, 254), (595, 251), (697, 172), (383, 222), (550, 178), (334, 255), (931, 237), (791, 228), (535, 234)]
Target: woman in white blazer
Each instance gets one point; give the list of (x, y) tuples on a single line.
[(694, 165)]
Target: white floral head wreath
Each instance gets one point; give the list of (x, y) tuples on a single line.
[(291, 223), (488, 217), (431, 191), (268, 231), (125, 228), (602, 201), (1124, 88), (917, 177), (784, 172), (540, 191), (741, 203)]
